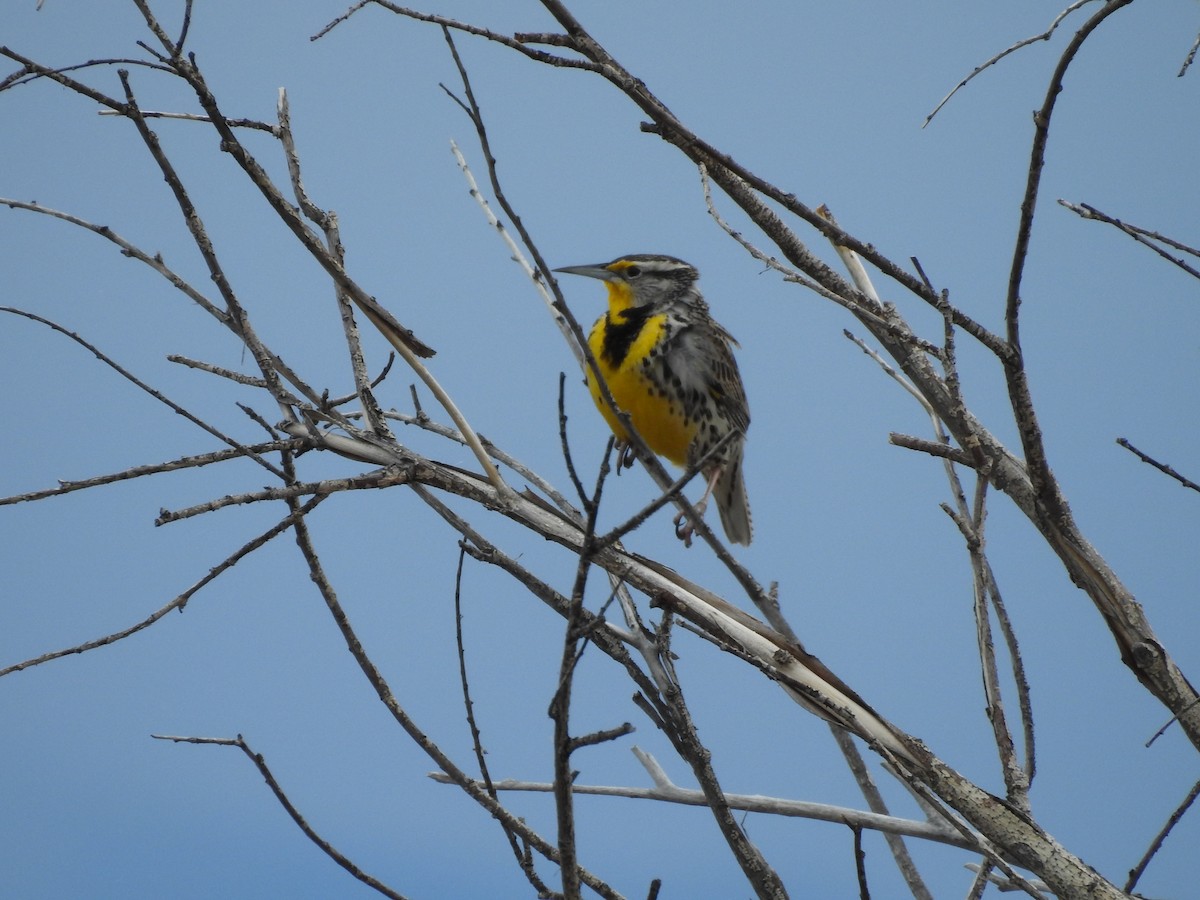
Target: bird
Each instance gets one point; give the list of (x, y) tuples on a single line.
[(670, 366)]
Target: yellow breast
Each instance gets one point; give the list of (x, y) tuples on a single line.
[(655, 415)]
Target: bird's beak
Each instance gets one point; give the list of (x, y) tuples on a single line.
[(590, 271)]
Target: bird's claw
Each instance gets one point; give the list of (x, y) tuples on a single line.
[(625, 456), (684, 529)]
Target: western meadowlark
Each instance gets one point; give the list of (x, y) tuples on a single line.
[(671, 368)]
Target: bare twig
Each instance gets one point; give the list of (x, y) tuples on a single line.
[(573, 644), (174, 465), (933, 448), (1162, 467), (524, 861), (1141, 235), (237, 319), (1044, 486), (253, 124), (1190, 58), (380, 478), (1015, 779), (867, 313), (127, 249), (261, 764), (1155, 845), (1044, 36), (219, 371), (157, 395), (670, 494), (553, 304), (895, 841), (517, 43), (328, 223), (402, 718), (178, 603), (860, 864), (666, 791)]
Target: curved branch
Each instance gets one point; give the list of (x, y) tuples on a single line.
[(979, 69), (269, 777), (1037, 161)]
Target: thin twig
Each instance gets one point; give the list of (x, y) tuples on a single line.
[(1190, 58), (513, 43), (791, 275), (575, 641), (1162, 467), (1141, 235), (523, 860), (1040, 476), (154, 261), (664, 790), (860, 864), (328, 223), (157, 395), (406, 722), (253, 124), (380, 478), (174, 465), (178, 603), (1044, 36), (553, 304), (261, 764), (1155, 845), (667, 496)]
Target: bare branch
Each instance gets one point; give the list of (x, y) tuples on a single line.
[(127, 249), (174, 465), (933, 448), (1044, 36), (1155, 845), (1162, 467), (253, 124), (157, 395), (381, 478), (523, 860), (1037, 160), (34, 69), (553, 304), (179, 602), (517, 42), (261, 764), (1141, 235), (666, 791), (1190, 58), (328, 223), (384, 692)]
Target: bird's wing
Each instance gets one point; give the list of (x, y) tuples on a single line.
[(702, 354)]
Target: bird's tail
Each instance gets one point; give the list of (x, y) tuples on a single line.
[(730, 494)]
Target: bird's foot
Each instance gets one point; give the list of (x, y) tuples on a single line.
[(684, 529), (625, 456)]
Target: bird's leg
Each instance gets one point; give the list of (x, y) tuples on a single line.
[(625, 456), (683, 527)]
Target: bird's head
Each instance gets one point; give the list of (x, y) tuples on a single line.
[(640, 279)]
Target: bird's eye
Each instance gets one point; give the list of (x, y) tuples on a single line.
[(632, 272)]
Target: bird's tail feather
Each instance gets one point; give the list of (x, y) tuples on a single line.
[(732, 504)]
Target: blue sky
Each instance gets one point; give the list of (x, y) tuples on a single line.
[(825, 100)]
